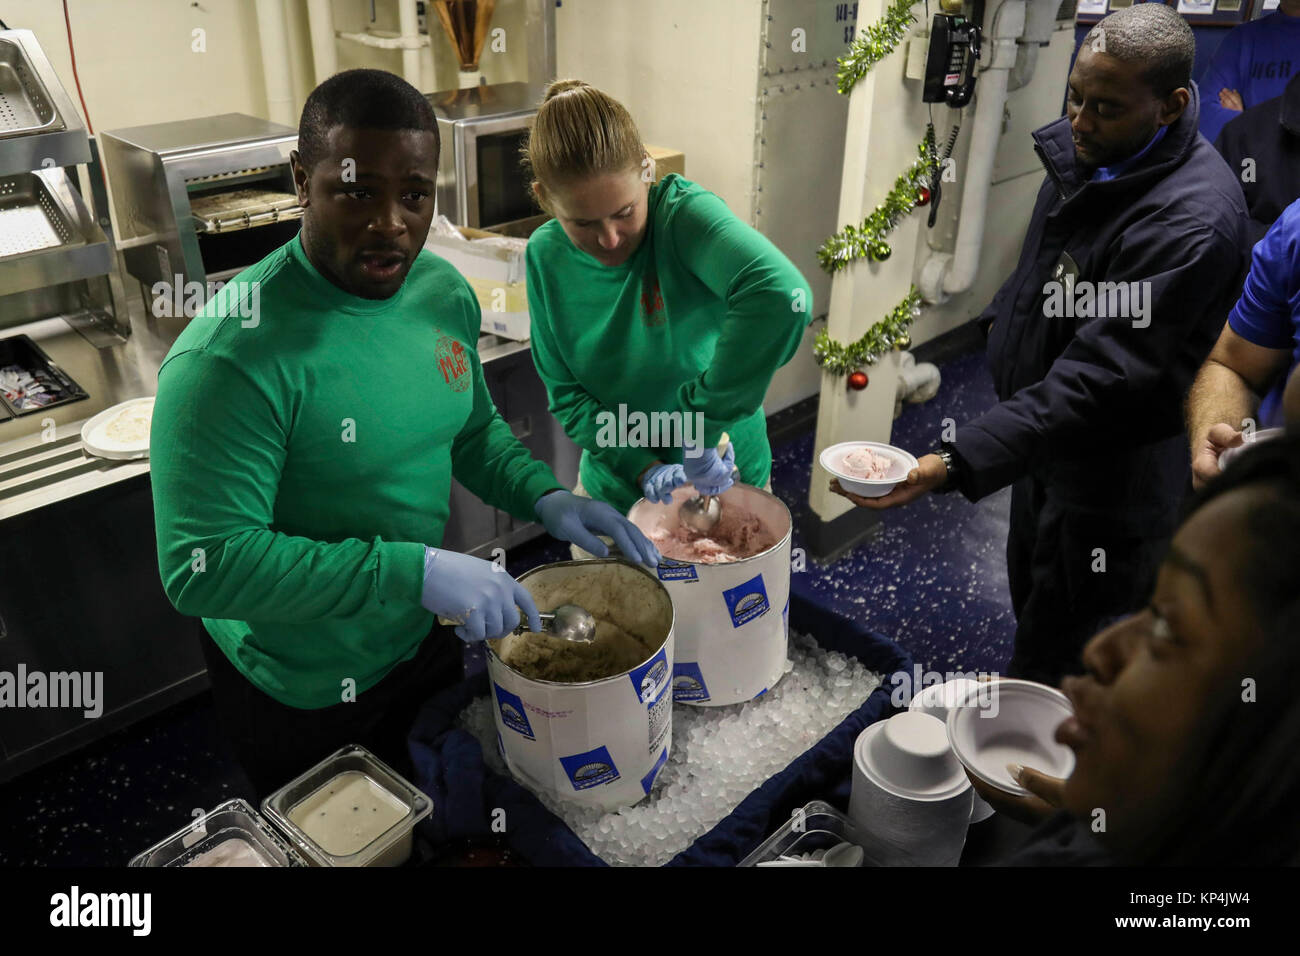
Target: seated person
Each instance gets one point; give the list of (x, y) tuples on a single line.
[(1186, 723), (1244, 375), (1251, 65), (1262, 146)]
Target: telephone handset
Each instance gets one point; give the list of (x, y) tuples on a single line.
[(950, 64)]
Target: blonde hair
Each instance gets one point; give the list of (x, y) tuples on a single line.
[(580, 131)]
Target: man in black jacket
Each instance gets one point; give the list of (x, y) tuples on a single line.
[(1133, 257), (1262, 146)]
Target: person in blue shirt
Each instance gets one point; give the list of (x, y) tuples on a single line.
[(1245, 374), (1251, 65)]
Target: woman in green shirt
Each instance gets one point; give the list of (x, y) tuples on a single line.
[(650, 298)]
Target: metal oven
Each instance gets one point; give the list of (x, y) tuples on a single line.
[(199, 200), (483, 129)]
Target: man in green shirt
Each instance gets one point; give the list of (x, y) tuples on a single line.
[(307, 426)]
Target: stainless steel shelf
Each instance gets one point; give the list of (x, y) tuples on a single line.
[(39, 126), (47, 236)]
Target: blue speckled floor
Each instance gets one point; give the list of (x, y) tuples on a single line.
[(934, 578)]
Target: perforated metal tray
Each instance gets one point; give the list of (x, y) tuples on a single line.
[(31, 218), (25, 107)]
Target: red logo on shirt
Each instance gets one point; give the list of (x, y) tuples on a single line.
[(652, 303), (453, 363)]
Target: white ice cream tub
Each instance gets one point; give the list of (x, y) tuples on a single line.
[(601, 742), (733, 618)]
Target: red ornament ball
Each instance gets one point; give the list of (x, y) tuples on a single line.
[(858, 380), (923, 197)]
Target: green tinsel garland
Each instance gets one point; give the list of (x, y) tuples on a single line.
[(883, 337), (853, 243), (874, 43)]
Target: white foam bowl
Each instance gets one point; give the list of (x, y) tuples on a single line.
[(936, 700), (832, 460), (908, 755), (1014, 722), (1228, 455)]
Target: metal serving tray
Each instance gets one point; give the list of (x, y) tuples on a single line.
[(31, 218), (242, 209), (25, 107)]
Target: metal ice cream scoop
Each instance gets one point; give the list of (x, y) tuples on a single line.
[(568, 622), (702, 512)]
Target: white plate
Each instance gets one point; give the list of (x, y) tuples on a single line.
[(904, 462), (1021, 731), (1228, 454), (95, 440)]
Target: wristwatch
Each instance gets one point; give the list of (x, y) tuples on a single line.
[(950, 462)]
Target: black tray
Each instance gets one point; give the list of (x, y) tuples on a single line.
[(60, 389)]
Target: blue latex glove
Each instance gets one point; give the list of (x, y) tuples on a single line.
[(710, 472), (572, 518), (474, 594), (659, 482)]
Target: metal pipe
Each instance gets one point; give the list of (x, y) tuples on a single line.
[(409, 28), (324, 55), (274, 38)]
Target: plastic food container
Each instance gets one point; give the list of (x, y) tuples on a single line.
[(817, 826), (351, 809), (231, 835)]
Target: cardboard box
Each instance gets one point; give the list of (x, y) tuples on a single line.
[(497, 277), (667, 161)]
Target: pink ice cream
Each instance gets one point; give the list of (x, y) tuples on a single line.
[(867, 464), (736, 536)]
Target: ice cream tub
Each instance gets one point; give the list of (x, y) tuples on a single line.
[(591, 724), (351, 809), (231, 835), (731, 591)]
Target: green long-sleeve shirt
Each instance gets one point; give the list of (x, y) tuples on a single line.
[(301, 460), (697, 320)]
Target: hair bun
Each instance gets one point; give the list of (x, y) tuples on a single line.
[(562, 86)]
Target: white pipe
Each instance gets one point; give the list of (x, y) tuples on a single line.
[(274, 38), (324, 55), (943, 275), (382, 42), (1040, 24), (409, 26)]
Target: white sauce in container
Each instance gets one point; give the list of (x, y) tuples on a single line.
[(347, 813)]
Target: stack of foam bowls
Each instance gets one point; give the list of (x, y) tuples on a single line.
[(1011, 721), (910, 799), (733, 618), (936, 700), (600, 742)]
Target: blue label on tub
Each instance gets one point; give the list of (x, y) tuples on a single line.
[(676, 571), (648, 780), (590, 769), (688, 682), (647, 678), (785, 616), (746, 601), (512, 712), (760, 693)]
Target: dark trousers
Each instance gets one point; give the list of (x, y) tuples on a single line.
[(1060, 595), (274, 743)]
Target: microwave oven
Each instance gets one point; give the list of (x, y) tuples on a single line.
[(483, 130)]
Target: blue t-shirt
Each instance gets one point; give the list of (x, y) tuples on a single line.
[(1256, 59), (1268, 312)]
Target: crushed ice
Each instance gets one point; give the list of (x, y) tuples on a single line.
[(719, 756)]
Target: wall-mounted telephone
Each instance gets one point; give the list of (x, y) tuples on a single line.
[(950, 64)]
